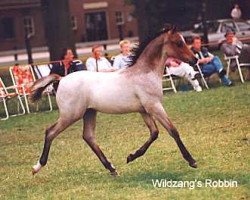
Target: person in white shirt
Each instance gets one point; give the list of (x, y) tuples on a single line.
[(97, 62), (122, 60), (236, 12)]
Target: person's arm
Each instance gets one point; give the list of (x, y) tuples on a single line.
[(229, 50), (173, 63), (207, 56), (117, 62), (78, 65), (108, 67), (90, 65), (55, 68)]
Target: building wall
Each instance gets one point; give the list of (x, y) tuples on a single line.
[(78, 8), (18, 16)]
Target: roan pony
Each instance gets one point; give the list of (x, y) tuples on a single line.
[(138, 88)]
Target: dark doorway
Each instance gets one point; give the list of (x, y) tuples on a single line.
[(96, 26)]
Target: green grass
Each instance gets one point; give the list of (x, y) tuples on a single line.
[(213, 124)]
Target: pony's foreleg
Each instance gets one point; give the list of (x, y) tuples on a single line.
[(88, 135), (50, 134), (159, 113), (153, 136)]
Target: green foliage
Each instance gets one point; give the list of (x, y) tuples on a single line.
[(214, 125)]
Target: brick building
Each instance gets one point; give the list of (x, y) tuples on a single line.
[(92, 20)]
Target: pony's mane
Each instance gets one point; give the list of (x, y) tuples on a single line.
[(138, 49)]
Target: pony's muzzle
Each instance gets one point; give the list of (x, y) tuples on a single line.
[(193, 62)]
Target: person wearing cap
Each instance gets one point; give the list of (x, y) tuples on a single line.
[(232, 47), (209, 63)]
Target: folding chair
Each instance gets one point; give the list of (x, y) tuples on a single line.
[(229, 60), (5, 95), (43, 71), (167, 77), (23, 78), (202, 76)]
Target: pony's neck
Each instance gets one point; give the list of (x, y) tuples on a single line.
[(152, 57)]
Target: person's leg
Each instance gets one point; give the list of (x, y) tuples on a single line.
[(190, 75), (177, 71), (195, 83), (219, 69), (189, 71), (208, 69)]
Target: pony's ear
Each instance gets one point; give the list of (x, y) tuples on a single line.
[(173, 29), (167, 27)]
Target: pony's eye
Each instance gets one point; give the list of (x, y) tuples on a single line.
[(180, 44)]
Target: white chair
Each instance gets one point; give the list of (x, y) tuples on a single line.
[(168, 78), (202, 76), (43, 71), (229, 60), (5, 95)]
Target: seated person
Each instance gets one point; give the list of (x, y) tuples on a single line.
[(232, 47), (209, 63), (97, 62), (181, 69), (67, 65), (122, 60)]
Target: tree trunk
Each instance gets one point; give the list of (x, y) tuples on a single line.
[(141, 14), (57, 25)]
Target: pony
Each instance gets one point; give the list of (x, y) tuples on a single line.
[(138, 88)]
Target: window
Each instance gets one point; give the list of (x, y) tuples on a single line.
[(28, 23), (7, 28), (119, 18), (74, 22), (243, 26), (227, 26)]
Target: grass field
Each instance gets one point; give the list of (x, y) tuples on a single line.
[(214, 125)]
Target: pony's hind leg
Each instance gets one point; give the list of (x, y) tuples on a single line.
[(50, 134), (159, 113), (88, 135), (153, 136)]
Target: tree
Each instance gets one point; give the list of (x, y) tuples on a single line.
[(57, 24), (152, 15)]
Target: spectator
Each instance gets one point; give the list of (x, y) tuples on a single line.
[(67, 65), (97, 62), (209, 63), (232, 47), (123, 59), (181, 69), (236, 12)]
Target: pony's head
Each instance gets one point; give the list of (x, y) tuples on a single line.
[(175, 46), (166, 43)]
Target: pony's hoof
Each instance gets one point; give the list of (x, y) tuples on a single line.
[(114, 174), (130, 158), (36, 168), (194, 165), (34, 171)]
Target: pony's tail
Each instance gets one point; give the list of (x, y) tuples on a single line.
[(39, 86)]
